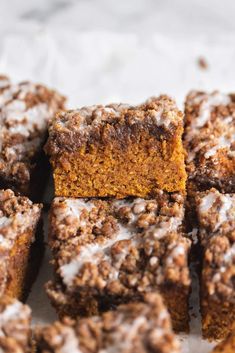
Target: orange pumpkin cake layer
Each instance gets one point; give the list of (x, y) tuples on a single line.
[(118, 150), (19, 220)]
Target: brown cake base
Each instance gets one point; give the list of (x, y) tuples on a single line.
[(24, 264), (83, 305), (178, 306)]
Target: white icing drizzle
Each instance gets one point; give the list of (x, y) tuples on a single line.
[(24, 121), (17, 223), (222, 142), (9, 93), (159, 231), (94, 115), (228, 259), (207, 202), (92, 253), (72, 207), (227, 203), (177, 251), (207, 103), (230, 254), (76, 206), (225, 212), (89, 253), (165, 119), (164, 114), (122, 339), (19, 150)]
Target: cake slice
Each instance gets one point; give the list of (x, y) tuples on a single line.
[(209, 139), (134, 327), (118, 150), (25, 109), (15, 326), (216, 217), (108, 252), (20, 242)]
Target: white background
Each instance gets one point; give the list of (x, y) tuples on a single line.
[(118, 50)]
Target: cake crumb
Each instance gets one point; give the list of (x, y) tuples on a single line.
[(202, 63)]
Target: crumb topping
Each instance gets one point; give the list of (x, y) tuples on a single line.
[(216, 214), (209, 135), (219, 268), (124, 245), (131, 328), (17, 215), (15, 332), (103, 122), (25, 109)]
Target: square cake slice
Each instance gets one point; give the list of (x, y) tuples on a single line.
[(216, 217), (19, 241), (108, 252), (134, 327), (15, 326), (118, 150), (25, 109), (210, 140), (227, 345)]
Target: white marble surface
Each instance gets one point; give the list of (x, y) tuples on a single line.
[(97, 51), (111, 50)]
